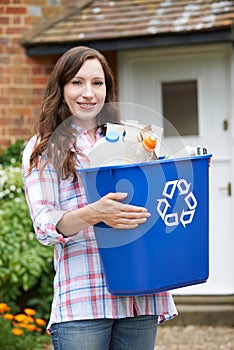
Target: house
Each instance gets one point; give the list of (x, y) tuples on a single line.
[(164, 53)]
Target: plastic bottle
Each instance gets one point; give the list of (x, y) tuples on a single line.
[(145, 149), (109, 150), (189, 151), (201, 150), (112, 136)]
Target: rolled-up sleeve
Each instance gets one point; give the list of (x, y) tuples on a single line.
[(42, 195)]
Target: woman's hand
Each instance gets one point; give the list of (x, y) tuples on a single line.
[(108, 209), (113, 213)]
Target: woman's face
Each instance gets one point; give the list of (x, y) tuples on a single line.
[(85, 93)]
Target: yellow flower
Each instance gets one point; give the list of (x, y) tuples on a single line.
[(4, 307), (28, 319), (17, 331), (31, 327), (40, 322), (30, 312), (19, 324), (8, 316), (20, 317)]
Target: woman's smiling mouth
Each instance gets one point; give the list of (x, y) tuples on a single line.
[(87, 106)]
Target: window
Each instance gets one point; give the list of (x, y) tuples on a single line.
[(180, 107)]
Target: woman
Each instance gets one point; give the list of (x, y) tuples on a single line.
[(77, 103)]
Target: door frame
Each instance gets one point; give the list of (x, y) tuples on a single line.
[(140, 55)]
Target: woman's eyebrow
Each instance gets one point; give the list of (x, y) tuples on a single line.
[(82, 77)]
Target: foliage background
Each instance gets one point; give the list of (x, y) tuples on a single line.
[(26, 267)]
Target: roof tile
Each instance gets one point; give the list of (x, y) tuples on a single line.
[(104, 19)]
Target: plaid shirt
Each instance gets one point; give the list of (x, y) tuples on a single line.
[(79, 286)]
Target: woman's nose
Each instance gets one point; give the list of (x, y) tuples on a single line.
[(88, 91)]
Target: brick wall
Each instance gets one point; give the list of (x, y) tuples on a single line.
[(22, 79)]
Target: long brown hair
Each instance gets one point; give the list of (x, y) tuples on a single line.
[(54, 111)]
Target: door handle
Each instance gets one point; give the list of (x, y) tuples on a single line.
[(227, 188)]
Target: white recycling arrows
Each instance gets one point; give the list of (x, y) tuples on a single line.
[(162, 207), (190, 201), (186, 216), (171, 219), (169, 188), (183, 186)]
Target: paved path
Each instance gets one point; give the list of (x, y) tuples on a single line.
[(194, 338)]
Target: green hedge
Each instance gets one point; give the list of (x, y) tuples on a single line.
[(26, 267)]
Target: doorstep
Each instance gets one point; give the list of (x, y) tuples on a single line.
[(212, 310)]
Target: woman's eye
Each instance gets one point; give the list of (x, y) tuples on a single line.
[(76, 82), (99, 83)]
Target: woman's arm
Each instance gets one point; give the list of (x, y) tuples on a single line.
[(108, 210), (41, 192), (53, 225)]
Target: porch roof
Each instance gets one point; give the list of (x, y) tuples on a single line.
[(114, 25)]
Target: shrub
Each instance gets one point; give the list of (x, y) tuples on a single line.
[(26, 269), (24, 331), (13, 154)]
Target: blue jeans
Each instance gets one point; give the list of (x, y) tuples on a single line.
[(132, 333)]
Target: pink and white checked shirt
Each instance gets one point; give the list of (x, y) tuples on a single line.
[(79, 286)]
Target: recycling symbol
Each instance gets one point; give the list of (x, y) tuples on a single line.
[(184, 216)]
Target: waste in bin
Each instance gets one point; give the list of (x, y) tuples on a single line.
[(171, 249)]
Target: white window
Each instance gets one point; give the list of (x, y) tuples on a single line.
[(180, 107)]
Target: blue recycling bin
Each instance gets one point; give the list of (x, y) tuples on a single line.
[(171, 249)]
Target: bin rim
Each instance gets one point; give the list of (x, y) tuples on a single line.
[(154, 162)]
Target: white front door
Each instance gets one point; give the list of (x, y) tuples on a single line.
[(141, 74)]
